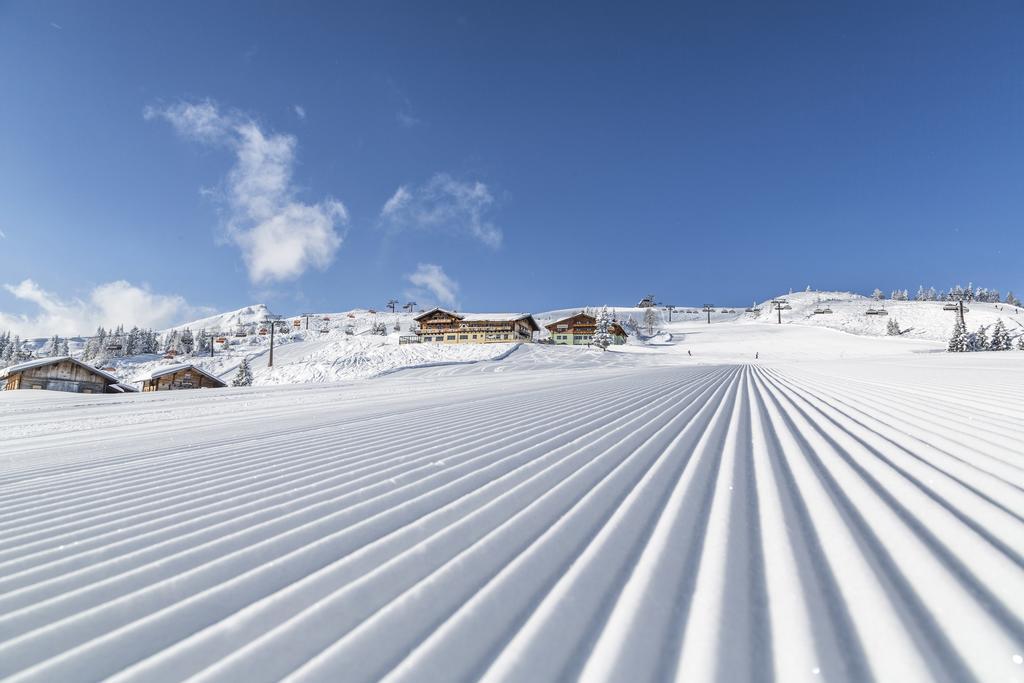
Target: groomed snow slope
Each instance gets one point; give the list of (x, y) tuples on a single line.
[(600, 517)]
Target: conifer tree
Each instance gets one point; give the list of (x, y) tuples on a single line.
[(1000, 337), (1020, 343), (602, 330), (187, 341), (980, 340), (243, 377), (892, 328), (958, 340)]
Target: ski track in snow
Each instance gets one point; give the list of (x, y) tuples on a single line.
[(719, 522)]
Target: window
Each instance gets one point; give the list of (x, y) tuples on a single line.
[(463, 336), (451, 337), (474, 336)]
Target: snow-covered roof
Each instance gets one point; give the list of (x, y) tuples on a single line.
[(170, 369), (477, 317), (39, 362), (500, 317)]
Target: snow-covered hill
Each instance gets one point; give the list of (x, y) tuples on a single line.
[(227, 322), (918, 319)]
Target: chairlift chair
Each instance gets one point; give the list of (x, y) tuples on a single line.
[(951, 307), (826, 310)]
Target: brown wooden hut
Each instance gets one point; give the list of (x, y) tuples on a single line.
[(180, 376), (61, 373)]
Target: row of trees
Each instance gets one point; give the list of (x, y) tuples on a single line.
[(117, 343), (12, 349), (998, 340), (968, 293)]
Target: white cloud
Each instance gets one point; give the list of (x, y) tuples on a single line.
[(433, 279), (300, 111), (443, 204), (280, 238), (3, 235), (406, 120), (109, 305)]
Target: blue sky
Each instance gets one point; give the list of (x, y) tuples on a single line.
[(159, 160)]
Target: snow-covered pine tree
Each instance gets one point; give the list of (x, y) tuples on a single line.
[(602, 330), (1011, 300), (243, 377), (979, 340), (133, 342), (1020, 343), (64, 349), (921, 294), (1000, 337), (877, 295), (958, 340), (187, 341), (16, 352), (202, 343), (892, 328)]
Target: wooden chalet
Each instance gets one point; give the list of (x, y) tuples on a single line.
[(448, 327), (62, 373), (180, 376), (580, 329)]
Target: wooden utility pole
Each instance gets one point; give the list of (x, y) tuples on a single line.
[(963, 323), (707, 309), (779, 303), (307, 316)]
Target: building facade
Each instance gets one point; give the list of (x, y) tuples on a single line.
[(579, 330), (181, 376), (61, 373), (448, 327)]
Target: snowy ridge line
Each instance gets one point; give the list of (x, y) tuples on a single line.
[(122, 521), (224, 464), (238, 446), (945, 456), (875, 521), (697, 522), (330, 607), (998, 525), (932, 431), (179, 579)]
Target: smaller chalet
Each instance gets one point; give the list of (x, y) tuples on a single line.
[(62, 373), (580, 329), (180, 376), (449, 327)]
